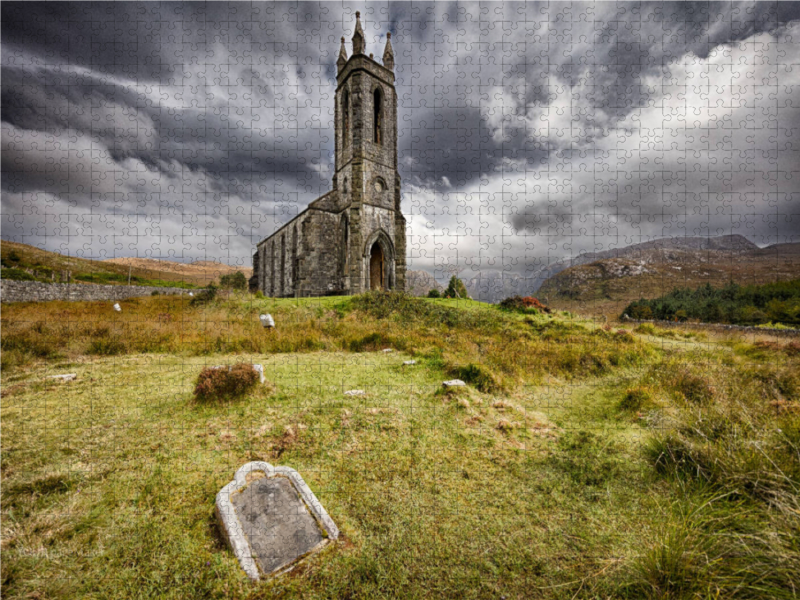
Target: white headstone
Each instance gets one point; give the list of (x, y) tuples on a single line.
[(271, 519), (454, 383)]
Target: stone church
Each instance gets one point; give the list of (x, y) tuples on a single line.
[(353, 238)]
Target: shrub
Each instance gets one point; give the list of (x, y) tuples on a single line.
[(434, 293), (16, 275), (259, 295), (526, 304), (235, 281), (223, 383), (635, 398), (106, 346), (694, 388), (456, 289), (155, 293), (206, 296), (477, 375)]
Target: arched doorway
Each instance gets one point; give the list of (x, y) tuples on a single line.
[(377, 268)]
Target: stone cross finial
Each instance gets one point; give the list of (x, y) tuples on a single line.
[(342, 60), (388, 53), (358, 37)]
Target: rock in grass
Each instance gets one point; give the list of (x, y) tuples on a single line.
[(271, 519), (388, 350), (267, 321), (117, 307), (409, 362), (354, 393), (64, 377), (454, 383)]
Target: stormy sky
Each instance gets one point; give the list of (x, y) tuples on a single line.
[(527, 132)]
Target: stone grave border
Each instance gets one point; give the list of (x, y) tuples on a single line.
[(232, 528)]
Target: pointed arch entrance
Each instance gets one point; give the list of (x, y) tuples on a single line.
[(377, 268), (379, 262)]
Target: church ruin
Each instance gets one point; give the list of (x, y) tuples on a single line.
[(353, 238)]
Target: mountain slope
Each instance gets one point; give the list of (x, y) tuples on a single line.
[(605, 282), (55, 267)]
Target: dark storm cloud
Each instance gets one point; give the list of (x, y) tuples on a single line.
[(516, 120)]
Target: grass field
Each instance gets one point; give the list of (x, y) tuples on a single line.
[(580, 462)]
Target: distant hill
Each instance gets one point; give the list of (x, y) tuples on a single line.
[(199, 270), (25, 261), (605, 282)]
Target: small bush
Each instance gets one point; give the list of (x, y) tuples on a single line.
[(526, 304), (16, 275), (223, 383), (206, 296), (635, 398), (259, 295), (106, 346), (456, 289), (155, 293), (434, 293), (477, 375), (695, 389), (235, 281)]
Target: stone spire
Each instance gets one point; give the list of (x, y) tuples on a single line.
[(388, 53), (342, 60), (358, 37)]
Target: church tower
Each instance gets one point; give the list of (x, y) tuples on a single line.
[(366, 166), (353, 238)]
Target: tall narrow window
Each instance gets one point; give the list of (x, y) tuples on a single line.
[(377, 121), (346, 119)]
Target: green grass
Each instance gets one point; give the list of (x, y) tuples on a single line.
[(549, 476)]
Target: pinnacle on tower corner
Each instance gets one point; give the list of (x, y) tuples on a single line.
[(388, 53), (358, 37)]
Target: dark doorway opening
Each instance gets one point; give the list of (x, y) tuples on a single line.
[(376, 268)]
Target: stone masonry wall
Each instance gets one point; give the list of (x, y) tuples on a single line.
[(34, 291)]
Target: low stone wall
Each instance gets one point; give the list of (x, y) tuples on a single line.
[(790, 333), (34, 291)]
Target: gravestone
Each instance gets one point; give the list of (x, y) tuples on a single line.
[(271, 519), (454, 383)]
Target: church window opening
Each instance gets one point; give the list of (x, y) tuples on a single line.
[(377, 121), (346, 118)]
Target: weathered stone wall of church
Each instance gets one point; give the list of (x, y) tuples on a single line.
[(305, 258)]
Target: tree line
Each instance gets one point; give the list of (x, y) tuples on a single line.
[(735, 304)]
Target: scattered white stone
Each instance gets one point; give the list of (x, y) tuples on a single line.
[(409, 362), (191, 294), (64, 377), (354, 393), (267, 321), (117, 307), (454, 383), (388, 350)]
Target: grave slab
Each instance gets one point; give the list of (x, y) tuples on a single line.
[(271, 519)]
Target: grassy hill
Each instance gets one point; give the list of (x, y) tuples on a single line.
[(578, 462), (607, 285), (21, 261)]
